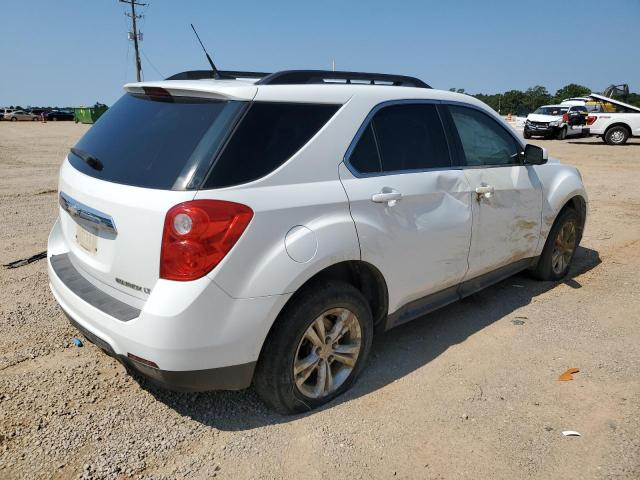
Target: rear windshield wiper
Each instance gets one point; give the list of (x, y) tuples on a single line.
[(89, 159)]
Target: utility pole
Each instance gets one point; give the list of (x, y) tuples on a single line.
[(136, 36)]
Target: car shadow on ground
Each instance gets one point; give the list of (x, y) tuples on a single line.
[(395, 353)]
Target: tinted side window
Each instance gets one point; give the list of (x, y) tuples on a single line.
[(485, 141), (410, 137), (268, 135), (364, 157)]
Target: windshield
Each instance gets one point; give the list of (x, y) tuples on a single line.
[(555, 111), (153, 142)]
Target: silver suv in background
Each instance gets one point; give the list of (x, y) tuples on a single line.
[(18, 115)]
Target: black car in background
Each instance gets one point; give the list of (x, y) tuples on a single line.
[(55, 115)]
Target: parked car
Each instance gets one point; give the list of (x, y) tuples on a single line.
[(557, 121), (4, 111), (614, 121), (217, 234), (17, 115), (56, 115)]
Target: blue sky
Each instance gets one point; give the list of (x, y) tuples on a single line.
[(72, 52)]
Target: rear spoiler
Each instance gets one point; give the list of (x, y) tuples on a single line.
[(194, 88), (616, 102)]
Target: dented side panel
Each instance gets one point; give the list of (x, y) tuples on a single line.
[(420, 244), (506, 223)]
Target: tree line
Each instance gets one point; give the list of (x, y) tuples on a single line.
[(522, 103)]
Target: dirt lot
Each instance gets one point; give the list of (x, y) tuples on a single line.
[(469, 392)]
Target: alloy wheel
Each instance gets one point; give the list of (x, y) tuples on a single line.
[(617, 136), (327, 353), (564, 247)]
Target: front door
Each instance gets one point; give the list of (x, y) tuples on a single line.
[(506, 195), (412, 211)]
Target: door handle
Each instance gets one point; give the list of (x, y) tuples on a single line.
[(387, 195), (485, 191)]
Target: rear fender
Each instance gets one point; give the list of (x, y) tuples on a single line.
[(297, 230)]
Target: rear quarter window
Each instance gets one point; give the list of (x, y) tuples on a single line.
[(267, 136)]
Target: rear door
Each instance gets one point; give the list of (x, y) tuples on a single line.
[(506, 195), (412, 210)]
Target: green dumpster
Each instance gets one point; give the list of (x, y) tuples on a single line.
[(88, 114)]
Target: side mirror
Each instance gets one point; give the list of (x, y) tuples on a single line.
[(534, 155)]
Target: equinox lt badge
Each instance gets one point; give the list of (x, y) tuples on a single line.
[(133, 285)]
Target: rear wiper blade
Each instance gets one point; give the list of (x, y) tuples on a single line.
[(89, 159)]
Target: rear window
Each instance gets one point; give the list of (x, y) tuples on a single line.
[(164, 143), (267, 136)]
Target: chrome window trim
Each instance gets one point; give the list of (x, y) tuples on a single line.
[(83, 213)]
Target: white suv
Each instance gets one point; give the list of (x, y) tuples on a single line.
[(218, 233)]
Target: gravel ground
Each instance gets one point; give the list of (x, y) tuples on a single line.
[(469, 392)]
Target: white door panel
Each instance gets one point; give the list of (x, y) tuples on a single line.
[(419, 243), (506, 220)]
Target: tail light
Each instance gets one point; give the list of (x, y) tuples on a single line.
[(197, 236), (565, 117), (591, 119)]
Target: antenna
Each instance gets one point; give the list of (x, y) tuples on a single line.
[(216, 74)]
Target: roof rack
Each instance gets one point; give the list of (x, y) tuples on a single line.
[(293, 77), (222, 75), (302, 77)]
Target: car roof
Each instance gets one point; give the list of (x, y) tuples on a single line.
[(247, 90)]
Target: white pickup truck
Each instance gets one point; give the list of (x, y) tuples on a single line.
[(614, 121)]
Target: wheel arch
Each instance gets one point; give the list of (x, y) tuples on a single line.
[(618, 124), (579, 204), (563, 189), (364, 276)]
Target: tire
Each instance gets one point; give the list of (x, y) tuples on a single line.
[(14, 119), (290, 342), (35, 119), (562, 133), (526, 135), (54, 119), (551, 266), (617, 135)]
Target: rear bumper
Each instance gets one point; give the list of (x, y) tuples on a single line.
[(198, 336), (235, 377)]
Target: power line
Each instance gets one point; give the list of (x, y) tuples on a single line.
[(134, 35), (152, 65)]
